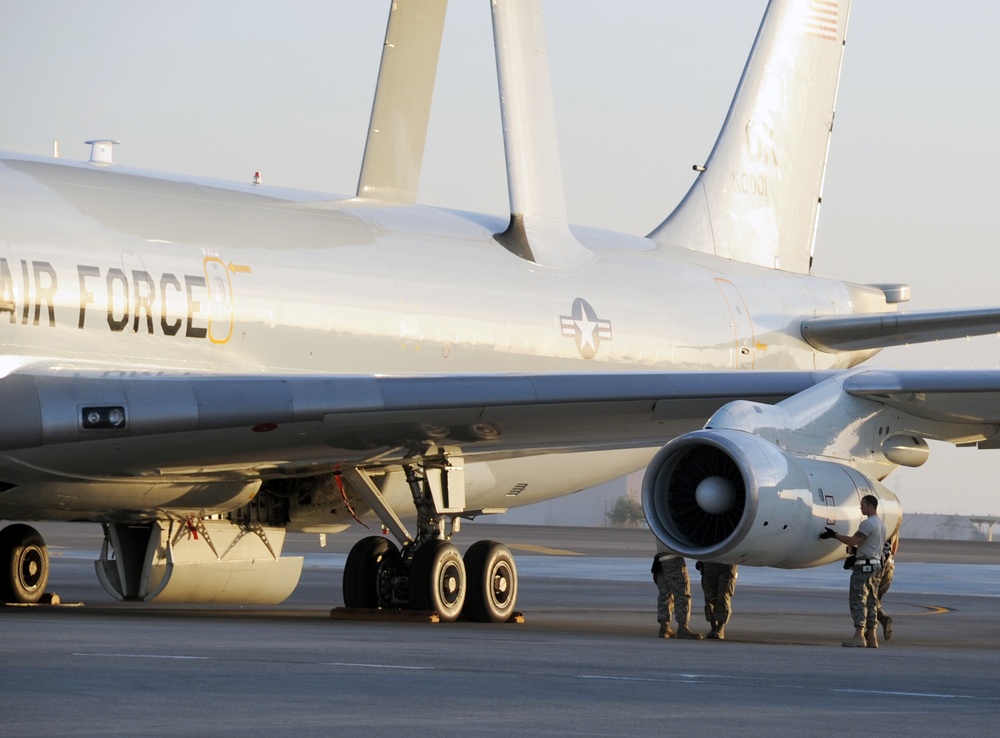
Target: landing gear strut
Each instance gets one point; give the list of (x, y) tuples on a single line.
[(24, 564), (429, 573)]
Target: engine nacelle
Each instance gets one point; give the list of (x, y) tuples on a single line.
[(727, 495)]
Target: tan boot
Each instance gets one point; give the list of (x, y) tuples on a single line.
[(718, 632), (871, 638), (857, 640), (886, 622), (683, 631), (665, 631)]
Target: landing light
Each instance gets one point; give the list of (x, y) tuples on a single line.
[(112, 417)]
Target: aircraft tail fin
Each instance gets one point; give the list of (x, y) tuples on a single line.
[(757, 198), (538, 229), (397, 132)]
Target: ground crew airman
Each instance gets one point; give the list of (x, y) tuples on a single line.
[(671, 576), (869, 539), (718, 583)]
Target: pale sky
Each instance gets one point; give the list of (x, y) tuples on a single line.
[(222, 89)]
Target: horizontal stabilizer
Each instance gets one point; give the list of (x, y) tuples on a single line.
[(862, 332)]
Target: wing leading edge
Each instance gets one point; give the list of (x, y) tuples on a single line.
[(275, 422), (836, 333)]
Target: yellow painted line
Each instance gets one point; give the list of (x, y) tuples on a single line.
[(933, 610), (543, 550)]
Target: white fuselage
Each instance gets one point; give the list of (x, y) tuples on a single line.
[(141, 272), (101, 267)]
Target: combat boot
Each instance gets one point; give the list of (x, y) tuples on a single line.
[(871, 638), (665, 631), (886, 622), (857, 640), (718, 632), (683, 631)]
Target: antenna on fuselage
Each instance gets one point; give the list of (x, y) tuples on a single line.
[(101, 151)]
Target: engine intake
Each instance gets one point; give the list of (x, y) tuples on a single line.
[(727, 495)]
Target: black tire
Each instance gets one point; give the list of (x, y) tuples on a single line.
[(492, 582), (24, 564), (437, 580), (371, 566)]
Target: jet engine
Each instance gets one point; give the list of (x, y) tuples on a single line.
[(728, 495)]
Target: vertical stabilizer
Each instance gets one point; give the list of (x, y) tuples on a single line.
[(538, 229), (757, 199), (398, 130)]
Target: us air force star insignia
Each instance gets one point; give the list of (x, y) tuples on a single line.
[(585, 326)]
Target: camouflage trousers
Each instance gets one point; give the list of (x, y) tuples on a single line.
[(718, 583), (884, 582), (864, 597), (674, 592)]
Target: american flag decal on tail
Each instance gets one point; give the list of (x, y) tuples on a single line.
[(821, 20)]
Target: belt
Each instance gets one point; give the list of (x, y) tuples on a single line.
[(867, 561)]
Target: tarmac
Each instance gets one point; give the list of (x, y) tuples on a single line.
[(585, 661)]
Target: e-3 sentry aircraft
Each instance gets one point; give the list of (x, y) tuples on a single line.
[(201, 366)]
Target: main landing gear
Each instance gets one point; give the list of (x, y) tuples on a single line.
[(24, 564), (428, 572)]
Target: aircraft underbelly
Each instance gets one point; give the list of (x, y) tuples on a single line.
[(110, 500)]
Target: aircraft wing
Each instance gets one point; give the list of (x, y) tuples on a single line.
[(260, 425), (948, 396), (861, 332), (207, 425)]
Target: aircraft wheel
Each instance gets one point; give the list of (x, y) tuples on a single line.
[(437, 580), (368, 575), (25, 564), (492, 582)]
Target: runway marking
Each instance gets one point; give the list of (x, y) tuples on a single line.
[(709, 679), (889, 693), (660, 680), (207, 658), (377, 666), (144, 656), (933, 610), (543, 550)]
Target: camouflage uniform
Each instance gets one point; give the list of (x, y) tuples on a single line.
[(867, 563), (884, 582), (864, 584), (864, 596), (675, 590), (718, 583), (671, 576)]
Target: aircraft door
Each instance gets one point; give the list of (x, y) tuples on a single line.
[(742, 325)]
